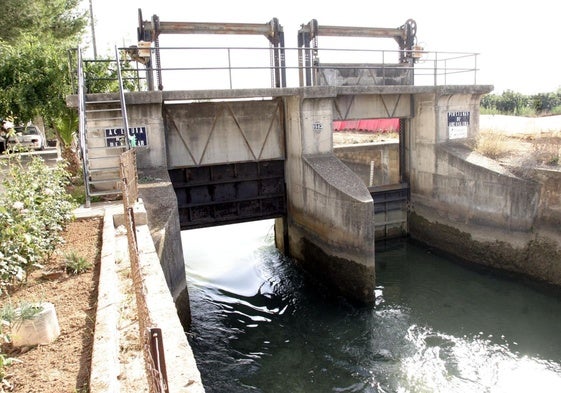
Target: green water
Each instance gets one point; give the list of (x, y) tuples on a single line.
[(260, 326)]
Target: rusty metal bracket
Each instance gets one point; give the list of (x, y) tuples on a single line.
[(158, 359)]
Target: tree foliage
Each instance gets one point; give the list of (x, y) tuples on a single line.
[(512, 103), (47, 20), (35, 36), (34, 80)]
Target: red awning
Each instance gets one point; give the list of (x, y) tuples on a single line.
[(368, 125)]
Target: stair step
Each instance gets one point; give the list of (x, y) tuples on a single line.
[(103, 110), (98, 119), (102, 193), (102, 102), (106, 148), (106, 169), (103, 181), (91, 160)]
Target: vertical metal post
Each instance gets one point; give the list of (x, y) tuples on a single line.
[(307, 59), (282, 59), (92, 22), (435, 68), (82, 127), (402, 164), (384, 67), (122, 98), (230, 68), (157, 354), (300, 60), (475, 70), (150, 73)]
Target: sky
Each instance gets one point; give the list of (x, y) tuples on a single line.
[(516, 44)]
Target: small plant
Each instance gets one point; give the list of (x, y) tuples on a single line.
[(553, 161), (11, 316), (76, 264), (27, 311)]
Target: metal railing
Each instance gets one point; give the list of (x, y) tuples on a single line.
[(205, 68), (82, 124)]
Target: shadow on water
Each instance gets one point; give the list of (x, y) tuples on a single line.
[(259, 326)]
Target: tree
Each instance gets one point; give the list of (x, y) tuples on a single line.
[(35, 36), (48, 20), (34, 80), (66, 126)]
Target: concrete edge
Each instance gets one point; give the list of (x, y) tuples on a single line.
[(105, 363), (163, 314), (104, 374)]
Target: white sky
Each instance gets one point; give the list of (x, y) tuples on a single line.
[(517, 45)]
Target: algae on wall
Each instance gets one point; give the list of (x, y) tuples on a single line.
[(539, 257)]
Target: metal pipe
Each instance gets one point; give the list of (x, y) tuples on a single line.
[(230, 68)]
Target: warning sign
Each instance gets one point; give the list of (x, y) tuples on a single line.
[(458, 124)]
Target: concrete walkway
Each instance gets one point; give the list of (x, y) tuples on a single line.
[(117, 359)]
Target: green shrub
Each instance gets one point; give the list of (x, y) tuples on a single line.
[(76, 264), (34, 208)]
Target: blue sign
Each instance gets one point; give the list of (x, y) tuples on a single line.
[(115, 137)]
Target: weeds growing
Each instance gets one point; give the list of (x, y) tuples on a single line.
[(76, 264), (492, 145)]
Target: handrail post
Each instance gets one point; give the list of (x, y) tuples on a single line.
[(122, 98), (435, 68), (82, 127), (475, 69), (230, 68)]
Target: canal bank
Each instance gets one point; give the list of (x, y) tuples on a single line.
[(503, 213)]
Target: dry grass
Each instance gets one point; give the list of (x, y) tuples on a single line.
[(526, 150), (547, 151), (492, 145)]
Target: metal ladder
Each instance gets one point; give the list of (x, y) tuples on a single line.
[(104, 136)]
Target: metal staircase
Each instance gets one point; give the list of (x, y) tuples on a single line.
[(104, 136)]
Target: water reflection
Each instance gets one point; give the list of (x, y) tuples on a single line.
[(259, 326)]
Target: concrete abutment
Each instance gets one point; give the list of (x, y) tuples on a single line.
[(330, 213)]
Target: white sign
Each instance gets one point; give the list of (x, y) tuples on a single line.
[(317, 126), (458, 132), (458, 124)]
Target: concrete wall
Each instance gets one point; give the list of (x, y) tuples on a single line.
[(330, 225), (476, 190), (369, 106), (469, 206), (549, 209), (375, 163), (145, 110), (207, 133), (160, 202)]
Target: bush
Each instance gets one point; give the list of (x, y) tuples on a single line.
[(33, 211), (76, 264)]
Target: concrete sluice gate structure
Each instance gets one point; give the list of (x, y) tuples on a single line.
[(218, 156)]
